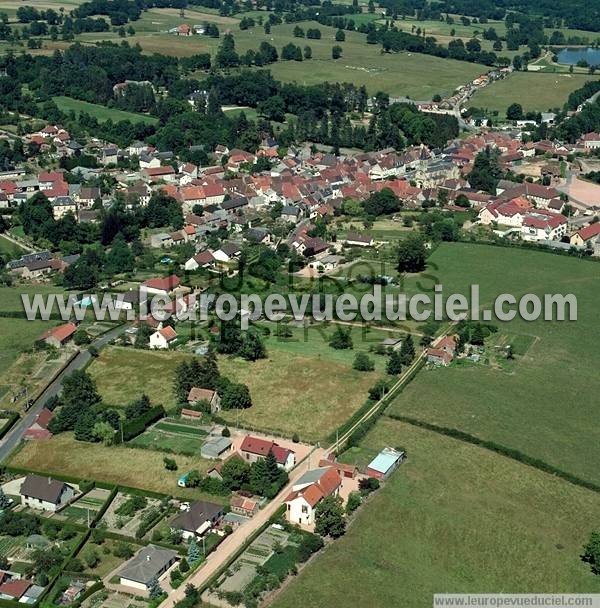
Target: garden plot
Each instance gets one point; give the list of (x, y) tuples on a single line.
[(243, 570), (172, 436), (86, 508), (127, 511)]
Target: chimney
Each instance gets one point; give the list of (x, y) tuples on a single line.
[(147, 558)]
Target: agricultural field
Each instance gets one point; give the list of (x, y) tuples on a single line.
[(456, 519), (102, 113), (542, 406), (115, 464), (535, 91)]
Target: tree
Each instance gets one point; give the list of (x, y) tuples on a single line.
[(340, 36), (252, 347), (235, 473), (336, 52), (411, 254), (353, 502), (362, 363), (79, 394), (170, 464), (5, 501), (486, 171), (407, 350), (341, 338), (154, 589), (394, 364), (307, 52), (591, 552), (514, 111), (193, 553), (236, 396), (329, 517)]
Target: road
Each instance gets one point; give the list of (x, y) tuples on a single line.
[(14, 436), (10, 238), (218, 559)]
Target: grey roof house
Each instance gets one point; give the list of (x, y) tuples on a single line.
[(198, 518), (149, 563)]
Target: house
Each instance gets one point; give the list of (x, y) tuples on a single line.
[(45, 493), (591, 141), (61, 205), (73, 592), (348, 471), (204, 259), (290, 213), (227, 252), (163, 287), (540, 224), (354, 239), (216, 447), (197, 519), (392, 343), (385, 463), (443, 351), (155, 174), (39, 427), (308, 491), (149, 563), (258, 235), (15, 589), (162, 338), (585, 235), (242, 505), (255, 448), (57, 336), (204, 394)]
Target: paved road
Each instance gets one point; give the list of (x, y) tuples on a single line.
[(217, 560), (14, 436)]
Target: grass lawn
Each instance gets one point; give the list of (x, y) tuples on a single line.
[(9, 250), (178, 443), (543, 406), (534, 91), (108, 562), (454, 518), (18, 336), (102, 113), (116, 464)]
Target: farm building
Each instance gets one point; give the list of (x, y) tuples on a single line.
[(385, 463)]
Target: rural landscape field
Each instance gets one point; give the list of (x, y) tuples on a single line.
[(298, 303)]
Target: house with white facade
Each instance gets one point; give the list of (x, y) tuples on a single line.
[(45, 493)]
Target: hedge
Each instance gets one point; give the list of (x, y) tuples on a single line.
[(138, 425), (11, 419), (512, 453)]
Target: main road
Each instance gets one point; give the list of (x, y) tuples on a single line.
[(14, 436)]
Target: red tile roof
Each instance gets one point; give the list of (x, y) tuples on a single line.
[(15, 588), (589, 232), (261, 447), (168, 333), (164, 284), (60, 333)]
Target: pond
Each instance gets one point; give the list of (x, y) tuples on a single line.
[(571, 56)]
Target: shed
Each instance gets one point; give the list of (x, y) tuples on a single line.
[(215, 447), (385, 463)]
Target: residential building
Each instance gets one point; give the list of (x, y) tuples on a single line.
[(197, 394), (149, 563), (197, 519), (162, 338), (255, 448), (45, 493), (57, 336)]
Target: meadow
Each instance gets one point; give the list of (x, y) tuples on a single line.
[(453, 518), (101, 113), (115, 464), (535, 91), (543, 406)]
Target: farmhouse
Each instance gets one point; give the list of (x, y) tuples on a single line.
[(385, 463), (57, 336), (442, 353), (204, 394), (162, 338), (197, 519), (149, 563), (255, 448), (45, 493), (308, 491)]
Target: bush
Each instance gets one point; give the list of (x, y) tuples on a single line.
[(170, 464), (362, 363), (310, 543), (354, 500), (368, 485)]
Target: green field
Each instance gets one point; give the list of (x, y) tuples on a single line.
[(176, 438), (535, 91), (543, 406), (8, 250), (455, 519), (102, 113)]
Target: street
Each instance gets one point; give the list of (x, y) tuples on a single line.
[(13, 437)]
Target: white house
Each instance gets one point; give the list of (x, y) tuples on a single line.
[(308, 491), (542, 225), (148, 564), (45, 493), (162, 338)]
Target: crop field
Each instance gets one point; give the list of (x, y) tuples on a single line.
[(102, 113), (453, 518), (543, 406), (537, 92)]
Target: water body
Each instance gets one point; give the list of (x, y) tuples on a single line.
[(570, 56)]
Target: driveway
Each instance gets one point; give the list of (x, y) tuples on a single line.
[(14, 436)]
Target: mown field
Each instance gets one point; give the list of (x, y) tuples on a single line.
[(102, 113), (536, 92), (137, 468), (452, 518), (545, 405)]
